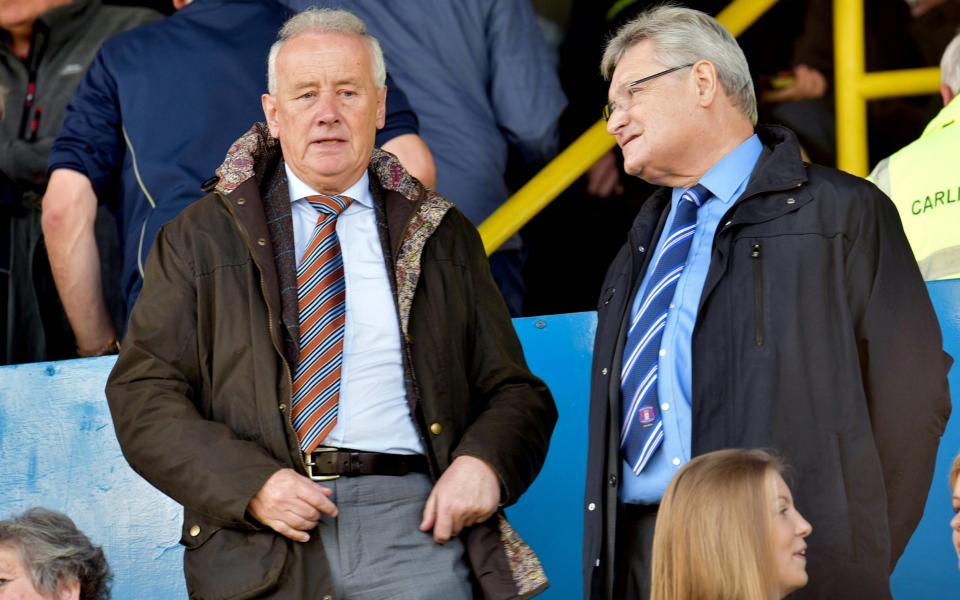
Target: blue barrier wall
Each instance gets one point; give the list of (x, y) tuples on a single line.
[(57, 449)]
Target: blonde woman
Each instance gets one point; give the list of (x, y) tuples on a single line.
[(727, 530), (955, 489)]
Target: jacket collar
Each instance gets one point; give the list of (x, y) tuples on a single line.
[(413, 211), (780, 166), (65, 22), (948, 115)]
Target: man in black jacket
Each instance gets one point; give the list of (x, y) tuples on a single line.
[(759, 302)]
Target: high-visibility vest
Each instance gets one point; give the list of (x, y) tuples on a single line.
[(925, 186)]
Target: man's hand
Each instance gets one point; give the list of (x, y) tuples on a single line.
[(467, 493), (603, 178), (808, 84), (291, 504)]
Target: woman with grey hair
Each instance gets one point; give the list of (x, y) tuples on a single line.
[(43, 556)]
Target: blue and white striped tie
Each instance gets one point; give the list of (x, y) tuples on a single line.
[(641, 431)]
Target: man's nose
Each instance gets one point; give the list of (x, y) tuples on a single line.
[(326, 109), (616, 121)]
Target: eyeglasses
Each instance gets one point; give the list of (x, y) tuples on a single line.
[(612, 106)]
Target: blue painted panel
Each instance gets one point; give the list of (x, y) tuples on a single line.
[(550, 515), (928, 568), (58, 450)]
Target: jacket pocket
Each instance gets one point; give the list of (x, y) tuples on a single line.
[(228, 564), (756, 256), (504, 565)]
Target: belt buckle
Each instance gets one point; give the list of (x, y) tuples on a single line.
[(308, 461)]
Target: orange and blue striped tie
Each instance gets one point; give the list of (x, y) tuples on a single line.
[(321, 297)]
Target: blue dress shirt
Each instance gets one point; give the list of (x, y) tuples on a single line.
[(726, 180)]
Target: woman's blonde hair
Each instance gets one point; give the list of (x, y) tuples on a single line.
[(954, 472), (712, 537)]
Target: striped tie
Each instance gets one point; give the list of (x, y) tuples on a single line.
[(321, 296), (642, 428)]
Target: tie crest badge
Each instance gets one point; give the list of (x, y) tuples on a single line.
[(646, 415)]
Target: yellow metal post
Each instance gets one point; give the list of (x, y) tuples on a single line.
[(573, 162), (848, 42)]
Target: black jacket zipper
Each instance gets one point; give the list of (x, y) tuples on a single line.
[(755, 254)]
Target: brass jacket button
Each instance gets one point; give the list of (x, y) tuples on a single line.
[(241, 201), (195, 530), (436, 429)]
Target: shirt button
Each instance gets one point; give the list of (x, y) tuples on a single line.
[(195, 531), (663, 352), (671, 305), (676, 461), (613, 481), (591, 506), (603, 371), (436, 429), (665, 406)]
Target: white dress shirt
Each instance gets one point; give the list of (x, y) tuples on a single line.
[(374, 414)]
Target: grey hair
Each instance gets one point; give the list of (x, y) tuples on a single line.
[(55, 552), (950, 65), (684, 36), (325, 20)]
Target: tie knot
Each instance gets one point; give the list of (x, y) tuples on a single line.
[(696, 195), (331, 205)]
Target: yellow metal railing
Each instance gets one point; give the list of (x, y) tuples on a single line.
[(854, 86), (573, 162)]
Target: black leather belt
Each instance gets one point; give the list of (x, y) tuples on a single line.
[(324, 464)]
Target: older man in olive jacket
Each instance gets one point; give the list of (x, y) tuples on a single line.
[(432, 420)]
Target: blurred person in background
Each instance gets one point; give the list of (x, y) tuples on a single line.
[(478, 75), (955, 502), (727, 528), (45, 48), (923, 180), (898, 35), (43, 556), (150, 122)]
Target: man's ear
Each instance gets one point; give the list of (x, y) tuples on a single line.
[(270, 114), (381, 107), (947, 94), (69, 590), (706, 80)]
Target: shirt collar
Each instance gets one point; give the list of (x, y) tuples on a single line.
[(359, 191), (727, 177)]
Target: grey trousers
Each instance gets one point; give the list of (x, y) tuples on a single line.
[(376, 549)]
